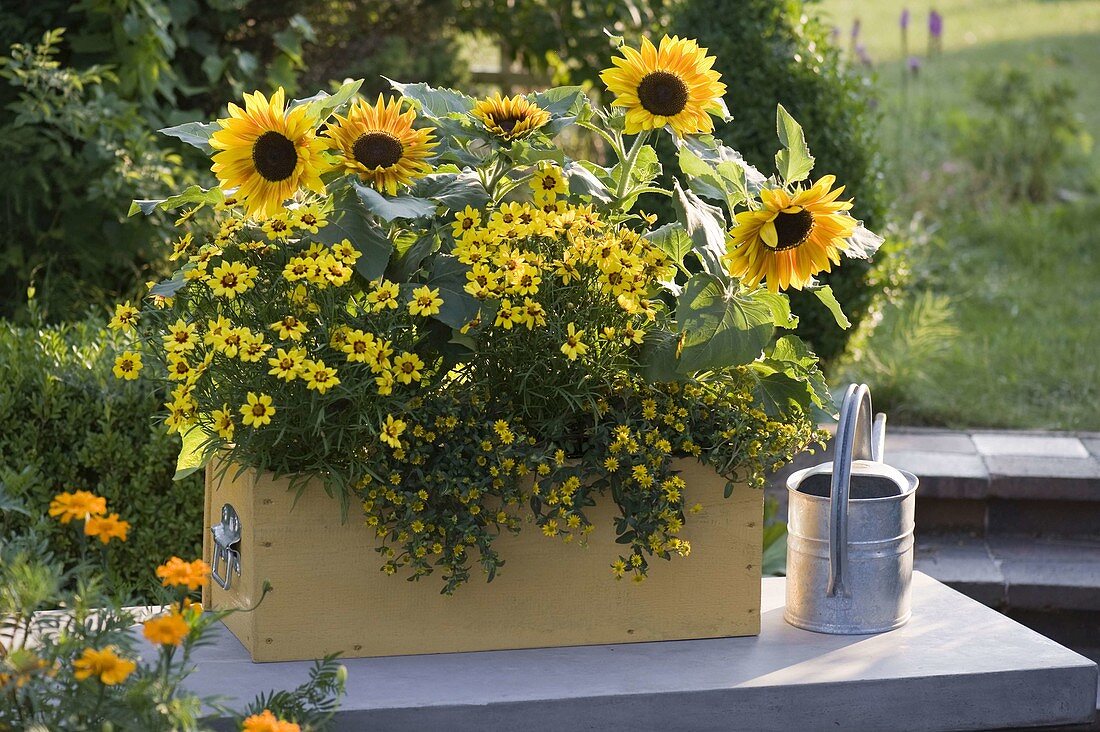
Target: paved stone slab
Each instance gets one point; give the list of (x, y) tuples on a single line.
[(927, 440), (944, 475), (1044, 478), (1060, 573), (1010, 443), (965, 563), (1092, 444), (956, 665)]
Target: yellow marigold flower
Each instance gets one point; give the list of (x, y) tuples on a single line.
[(125, 318), (346, 252), (384, 295), (392, 429), (258, 410), (181, 337), (106, 665), (278, 227), (672, 84), (379, 144), (268, 722), (223, 423), (230, 279), (319, 377), (407, 367), (792, 237), (178, 573), (465, 223), (510, 117), (268, 152), (425, 301), (127, 366), (78, 505), (385, 381), (573, 345), (106, 528), (166, 630), (289, 328)]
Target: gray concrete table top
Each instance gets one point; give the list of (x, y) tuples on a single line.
[(956, 665)]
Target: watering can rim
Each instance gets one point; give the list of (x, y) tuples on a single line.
[(908, 482)]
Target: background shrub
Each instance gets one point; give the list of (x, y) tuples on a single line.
[(772, 52), (69, 424)]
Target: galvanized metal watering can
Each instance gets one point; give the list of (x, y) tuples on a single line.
[(850, 532)]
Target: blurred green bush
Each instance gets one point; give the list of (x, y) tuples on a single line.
[(775, 52), (69, 424)]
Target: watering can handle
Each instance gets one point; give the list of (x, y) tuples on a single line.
[(856, 439)]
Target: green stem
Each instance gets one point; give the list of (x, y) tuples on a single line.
[(626, 165)]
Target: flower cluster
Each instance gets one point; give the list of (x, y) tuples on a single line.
[(92, 510), (427, 304)]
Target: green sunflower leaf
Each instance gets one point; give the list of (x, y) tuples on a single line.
[(459, 307), (456, 191), (582, 182), (350, 220), (721, 328), (195, 134), (794, 161), (779, 392), (389, 208), (672, 240), (321, 104), (434, 102), (192, 194), (825, 295), (706, 226), (561, 101)]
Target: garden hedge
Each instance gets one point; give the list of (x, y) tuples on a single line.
[(74, 426)]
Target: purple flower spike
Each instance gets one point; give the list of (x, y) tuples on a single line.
[(914, 65), (862, 55), (904, 21), (935, 24), (855, 29)]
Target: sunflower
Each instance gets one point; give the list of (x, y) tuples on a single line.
[(672, 85), (792, 237), (267, 153), (510, 117), (380, 145)]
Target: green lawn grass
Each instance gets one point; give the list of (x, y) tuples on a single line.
[(1020, 278)]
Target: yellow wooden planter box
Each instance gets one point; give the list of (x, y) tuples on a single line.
[(329, 595)]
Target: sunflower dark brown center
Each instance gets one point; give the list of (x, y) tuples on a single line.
[(506, 124), (274, 156), (663, 93), (377, 149), (793, 229)]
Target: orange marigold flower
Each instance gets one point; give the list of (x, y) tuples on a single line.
[(178, 573), (166, 630), (106, 665), (106, 528), (77, 505), (265, 721)]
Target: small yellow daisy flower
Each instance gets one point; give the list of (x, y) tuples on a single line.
[(287, 365), (128, 366), (230, 279), (465, 223), (407, 367), (573, 345), (126, 317), (384, 295), (258, 410), (392, 429), (425, 301), (223, 422), (181, 337), (289, 328), (319, 377)]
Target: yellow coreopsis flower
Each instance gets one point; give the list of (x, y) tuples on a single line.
[(178, 368), (166, 630), (253, 348), (346, 252), (287, 365), (425, 301), (78, 505), (359, 346), (465, 223), (223, 423), (392, 429), (230, 279), (128, 366), (106, 528), (407, 367), (309, 217), (258, 410), (267, 152), (125, 318), (319, 377), (573, 346), (178, 573), (548, 183), (289, 328), (181, 337), (672, 84), (106, 665), (278, 227), (384, 295), (300, 268), (385, 381)]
